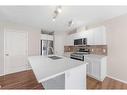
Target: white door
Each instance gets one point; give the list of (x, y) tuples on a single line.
[(15, 51)]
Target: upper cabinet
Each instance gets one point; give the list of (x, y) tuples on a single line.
[(69, 40), (46, 37), (95, 36), (99, 36)]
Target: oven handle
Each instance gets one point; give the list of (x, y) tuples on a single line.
[(77, 58)]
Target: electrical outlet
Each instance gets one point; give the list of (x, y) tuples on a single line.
[(69, 49), (104, 50), (0, 86)]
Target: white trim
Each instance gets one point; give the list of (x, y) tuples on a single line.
[(27, 39), (117, 79), (15, 72)]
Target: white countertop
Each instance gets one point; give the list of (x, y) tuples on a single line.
[(45, 68)]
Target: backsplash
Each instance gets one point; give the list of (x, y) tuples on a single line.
[(69, 48), (94, 49)]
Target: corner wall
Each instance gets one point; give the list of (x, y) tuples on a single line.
[(116, 29)]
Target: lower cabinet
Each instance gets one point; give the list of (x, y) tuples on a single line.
[(96, 67)]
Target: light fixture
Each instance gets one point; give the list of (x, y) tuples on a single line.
[(56, 12), (70, 23), (59, 10), (53, 19)]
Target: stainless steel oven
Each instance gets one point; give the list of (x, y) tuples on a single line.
[(80, 54), (77, 56)]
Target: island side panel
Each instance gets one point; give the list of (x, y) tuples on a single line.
[(76, 78), (56, 83)]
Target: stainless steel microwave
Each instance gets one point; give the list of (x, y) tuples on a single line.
[(82, 41), (78, 42)]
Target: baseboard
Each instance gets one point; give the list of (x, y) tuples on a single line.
[(117, 79), (2, 75), (15, 72)]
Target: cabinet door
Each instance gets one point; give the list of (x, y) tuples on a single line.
[(88, 69), (59, 44), (95, 67), (50, 37), (44, 37), (99, 36), (76, 35), (69, 40), (90, 36), (96, 36)]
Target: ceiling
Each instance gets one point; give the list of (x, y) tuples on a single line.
[(41, 16)]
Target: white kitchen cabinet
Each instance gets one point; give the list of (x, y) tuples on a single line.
[(95, 36), (88, 66), (69, 40), (90, 37), (99, 36), (46, 37), (58, 45), (96, 67)]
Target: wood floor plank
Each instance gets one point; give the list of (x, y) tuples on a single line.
[(27, 80), (108, 83), (21, 80)]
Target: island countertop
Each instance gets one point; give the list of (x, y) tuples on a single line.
[(46, 68)]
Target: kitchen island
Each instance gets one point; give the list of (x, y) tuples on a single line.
[(57, 72)]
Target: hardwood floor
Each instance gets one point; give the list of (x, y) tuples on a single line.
[(20, 80), (27, 80), (108, 83)]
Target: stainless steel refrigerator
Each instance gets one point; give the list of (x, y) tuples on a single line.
[(47, 47)]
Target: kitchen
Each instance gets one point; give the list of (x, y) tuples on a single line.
[(87, 47), (76, 54)]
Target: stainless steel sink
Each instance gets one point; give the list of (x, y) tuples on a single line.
[(55, 57)]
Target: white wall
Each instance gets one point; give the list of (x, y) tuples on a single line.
[(116, 29), (33, 39), (117, 47), (33, 36), (1, 50), (59, 44)]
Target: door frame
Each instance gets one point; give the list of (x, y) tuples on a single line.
[(15, 30)]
